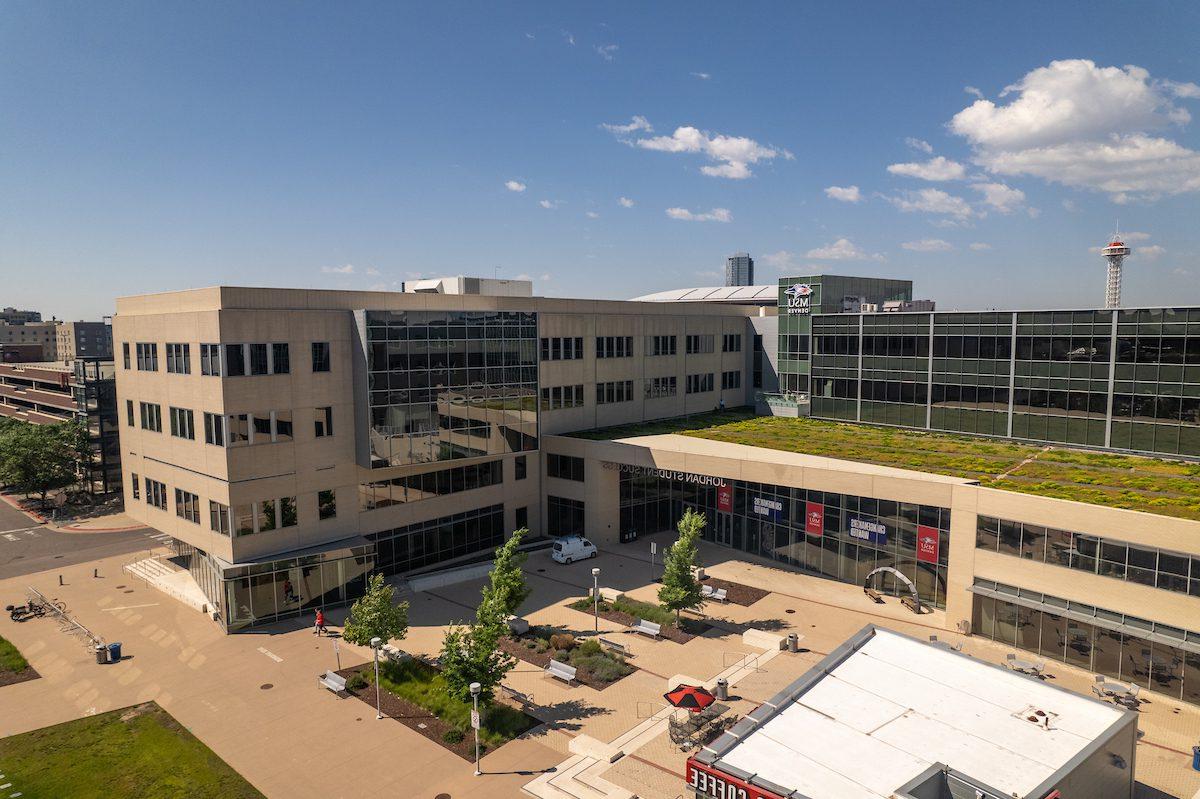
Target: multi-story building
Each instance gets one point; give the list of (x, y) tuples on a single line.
[(12, 316), (309, 437), (43, 333), (84, 340), (739, 270)]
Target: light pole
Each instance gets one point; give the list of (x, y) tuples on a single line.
[(475, 688), (375, 644), (596, 596)]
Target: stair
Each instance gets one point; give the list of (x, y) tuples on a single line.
[(175, 583)]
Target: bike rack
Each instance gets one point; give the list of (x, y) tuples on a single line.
[(66, 622)]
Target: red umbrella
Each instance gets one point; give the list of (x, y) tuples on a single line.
[(690, 697)]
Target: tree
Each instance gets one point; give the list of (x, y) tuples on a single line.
[(37, 458), (470, 654), (376, 615), (680, 589), (506, 589)]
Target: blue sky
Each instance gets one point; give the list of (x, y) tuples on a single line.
[(148, 147)]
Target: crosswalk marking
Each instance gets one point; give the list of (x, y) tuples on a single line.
[(18, 535)]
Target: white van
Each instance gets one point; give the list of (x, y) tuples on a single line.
[(572, 548)]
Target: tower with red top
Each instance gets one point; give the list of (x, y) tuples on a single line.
[(1115, 254)]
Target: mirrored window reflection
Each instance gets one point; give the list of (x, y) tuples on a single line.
[(267, 592)]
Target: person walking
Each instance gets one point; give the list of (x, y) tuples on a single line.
[(319, 627), (289, 593)]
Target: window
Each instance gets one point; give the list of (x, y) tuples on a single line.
[(258, 360), (660, 345), (618, 391), (147, 357), (151, 417), (731, 342), (324, 422), (614, 346), (129, 413), (239, 429), (125, 353), (287, 511), (179, 359), (731, 380), (182, 423), (565, 516), (698, 384), (320, 356), (562, 349), (564, 467), (283, 425), (266, 515), (235, 360), (136, 486), (156, 494), (214, 429), (661, 387), (698, 344), (417, 487), (243, 519), (210, 359), (218, 518), (280, 359), (326, 504), (522, 518), (187, 506), (522, 467), (260, 428), (556, 397)]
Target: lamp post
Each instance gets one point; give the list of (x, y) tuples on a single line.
[(375, 644), (475, 688), (596, 596)]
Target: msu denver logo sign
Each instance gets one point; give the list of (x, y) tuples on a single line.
[(799, 298)]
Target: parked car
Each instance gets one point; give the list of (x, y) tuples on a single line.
[(572, 548)]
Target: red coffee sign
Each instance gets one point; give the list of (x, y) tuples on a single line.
[(927, 544), (725, 497), (707, 781), (814, 518)]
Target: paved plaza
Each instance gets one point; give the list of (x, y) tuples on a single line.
[(253, 697)]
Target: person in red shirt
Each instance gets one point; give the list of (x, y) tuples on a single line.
[(319, 627)]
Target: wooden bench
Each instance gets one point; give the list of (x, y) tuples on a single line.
[(876, 597), (613, 645), (910, 603), (717, 594), (334, 682), (647, 628), (562, 671)]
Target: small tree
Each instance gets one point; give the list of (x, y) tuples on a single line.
[(506, 589), (37, 458), (470, 654), (376, 615), (680, 589)]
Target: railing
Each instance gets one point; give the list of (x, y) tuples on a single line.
[(66, 622)]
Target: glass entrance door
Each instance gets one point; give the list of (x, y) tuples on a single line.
[(724, 529)]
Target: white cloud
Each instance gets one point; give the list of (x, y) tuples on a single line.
[(1134, 235), (846, 194), (625, 202), (530, 36), (547, 204), (373, 272), (591, 215), (928, 245), (636, 123), (1070, 205), (607, 51), (701, 75), (1149, 253), (715, 215), (939, 168), (979, 246), (1085, 126), (1000, 197), (973, 91), (842, 250), (932, 201), (348, 269), (524, 276), (782, 261), (734, 154), (1179, 270), (569, 38), (514, 185), (545, 277), (920, 145)]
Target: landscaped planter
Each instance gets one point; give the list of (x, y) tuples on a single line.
[(592, 670), (689, 629)]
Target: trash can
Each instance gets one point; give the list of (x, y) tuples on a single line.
[(114, 652), (793, 643), (722, 689), (101, 654), (1196, 758)]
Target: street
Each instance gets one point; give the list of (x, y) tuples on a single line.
[(27, 547)]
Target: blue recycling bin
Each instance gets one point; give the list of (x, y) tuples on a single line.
[(1196, 758), (114, 652)]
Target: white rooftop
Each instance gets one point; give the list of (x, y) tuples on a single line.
[(896, 706), (749, 295)]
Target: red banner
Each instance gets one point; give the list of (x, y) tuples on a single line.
[(928, 544), (814, 518), (708, 781), (725, 497)]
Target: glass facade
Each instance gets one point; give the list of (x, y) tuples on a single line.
[(1154, 656), (426, 543), (564, 516), (838, 536), (450, 384), (1127, 379)]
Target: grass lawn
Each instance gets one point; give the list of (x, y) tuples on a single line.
[(10, 659), (424, 686), (1155, 485), (135, 752)]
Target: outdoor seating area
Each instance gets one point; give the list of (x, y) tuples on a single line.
[(933, 639), (714, 594), (1119, 693), (649, 628), (1034, 668), (688, 730)]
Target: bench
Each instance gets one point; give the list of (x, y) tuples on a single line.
[(610, 594), (562, 671), (876, 597), (334, 682), (717, 594), (647, 628), (614, 646), (910, 603)]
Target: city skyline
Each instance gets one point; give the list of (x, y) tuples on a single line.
[(166, 147)]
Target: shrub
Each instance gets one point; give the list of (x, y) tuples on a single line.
[(603, 667), (358, 681), (453, 735), (563, 641), (590, 647), (540, 645)]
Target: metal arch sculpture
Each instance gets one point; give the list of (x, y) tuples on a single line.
[(903, 578)]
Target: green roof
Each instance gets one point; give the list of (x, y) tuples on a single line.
[(1153, 485)]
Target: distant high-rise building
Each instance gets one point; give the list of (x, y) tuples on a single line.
[(84, 340), (739, 270), (11, 316)]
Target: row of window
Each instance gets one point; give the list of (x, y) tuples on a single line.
[(241, 520), (571, 348), (556, 397), (416, 487), (661, 345), (1151, 349), (564, 467), (731, 342), (228, 360), (700, 344), (236, 429), (1151, 566), (564, 516), (614, 346), (562, 349), (731, 381), (660, 386), (617, 391), (699, 384)]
